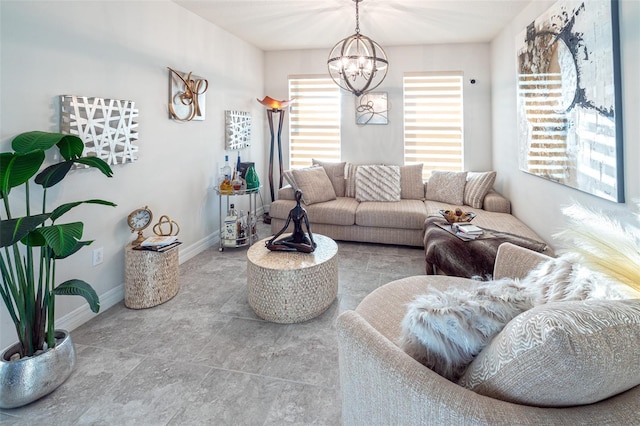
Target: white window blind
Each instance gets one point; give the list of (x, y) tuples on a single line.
[(433, 121), (314, 120)]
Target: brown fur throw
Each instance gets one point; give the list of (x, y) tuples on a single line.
[(452, 256)]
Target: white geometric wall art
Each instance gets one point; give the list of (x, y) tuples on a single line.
[(237, 129), (108, 127)]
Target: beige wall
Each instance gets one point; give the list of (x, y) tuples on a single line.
[(121, 50), (536, 201)]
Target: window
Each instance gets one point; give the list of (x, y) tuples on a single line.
[(433, 125), (314, 120)]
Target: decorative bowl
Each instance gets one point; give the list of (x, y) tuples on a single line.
[(457, 215)]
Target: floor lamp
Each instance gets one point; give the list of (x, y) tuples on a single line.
[(279, 108)]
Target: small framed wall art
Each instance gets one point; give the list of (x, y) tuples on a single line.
[(237, 129), (371, 108), (186, 96)]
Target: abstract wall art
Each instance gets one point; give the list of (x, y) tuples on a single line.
[(569, 101), (371, 108), (186, 96), (237, 129), (108, 127)]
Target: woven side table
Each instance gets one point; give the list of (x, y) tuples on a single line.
[(150, 278), (289, 287)]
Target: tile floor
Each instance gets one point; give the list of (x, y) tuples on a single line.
[(204, 357)]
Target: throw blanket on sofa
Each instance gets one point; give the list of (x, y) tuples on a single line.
[(470, 259)]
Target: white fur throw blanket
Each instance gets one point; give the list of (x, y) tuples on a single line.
[(445, 330)]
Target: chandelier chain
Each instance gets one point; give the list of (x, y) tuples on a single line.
[(357, 17)]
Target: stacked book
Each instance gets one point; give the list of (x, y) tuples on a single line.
[(159, 243), (467, 230)]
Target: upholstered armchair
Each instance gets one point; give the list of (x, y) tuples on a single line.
[(382, 385)]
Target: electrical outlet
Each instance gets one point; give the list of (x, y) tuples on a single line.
[(98, 256)]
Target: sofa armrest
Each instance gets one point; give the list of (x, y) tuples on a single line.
[(286, 193), (513, 261), (382, 385), (495, 202)]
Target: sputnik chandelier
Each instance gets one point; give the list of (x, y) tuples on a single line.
[(357, 63)]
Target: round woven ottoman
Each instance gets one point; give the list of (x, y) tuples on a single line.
[(288, 287)]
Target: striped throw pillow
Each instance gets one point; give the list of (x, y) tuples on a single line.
[(478, 184), (378, 183), (350, 180)]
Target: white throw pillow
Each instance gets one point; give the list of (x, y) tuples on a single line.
[(561, 355), (445, 330), (411, 183), (314, 184), (335, 171), (447, 187), (378, 183)]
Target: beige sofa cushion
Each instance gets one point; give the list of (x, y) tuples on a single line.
[(404, 214), (411, 184), (378, 183), (314, 184), (335, 171), (562, 354), (477, 186), (447, 187), (341, 211)]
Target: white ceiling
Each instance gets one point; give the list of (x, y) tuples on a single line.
[(308, 24)]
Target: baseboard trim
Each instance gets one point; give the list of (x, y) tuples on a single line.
[(198, 247), (79, 316)]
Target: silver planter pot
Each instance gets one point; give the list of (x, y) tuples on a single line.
[(28, 379)]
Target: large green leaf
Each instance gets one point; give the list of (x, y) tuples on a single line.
[(62, 238), (97, 163), (34, 239), (53, 174), (70, 147), (78, 246), (79, 288), (30, 141), (16, 169), (59, 211), (13, 230)]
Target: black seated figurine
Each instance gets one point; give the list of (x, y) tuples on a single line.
[(298, 240)]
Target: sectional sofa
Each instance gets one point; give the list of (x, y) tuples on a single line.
[(389, 204)]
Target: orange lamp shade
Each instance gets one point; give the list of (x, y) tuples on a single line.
[(273, 103)]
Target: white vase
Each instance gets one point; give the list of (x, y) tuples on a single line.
[(28, 379)]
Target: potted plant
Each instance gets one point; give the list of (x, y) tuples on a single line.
[(32, 241)]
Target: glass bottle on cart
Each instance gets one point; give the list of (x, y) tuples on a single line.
[(230, 228)]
